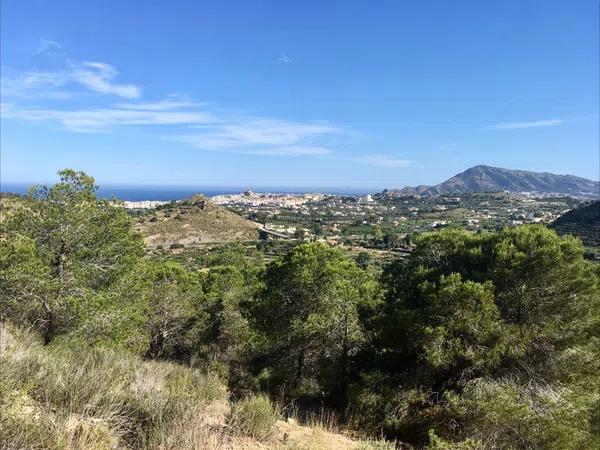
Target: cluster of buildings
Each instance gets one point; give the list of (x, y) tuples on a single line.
[(249, 198), (144, 204)]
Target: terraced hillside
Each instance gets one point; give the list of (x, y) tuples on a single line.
[(583, 222), (193, 221)]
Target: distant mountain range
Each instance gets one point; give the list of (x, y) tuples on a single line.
[(494, 179)]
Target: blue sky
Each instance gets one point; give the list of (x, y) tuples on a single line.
[(312, 93)]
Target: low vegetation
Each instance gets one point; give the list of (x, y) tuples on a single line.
[(476, 340), (68, 396), (64, 395), (191, 222), (254, 416)]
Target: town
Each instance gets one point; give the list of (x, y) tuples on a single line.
[(384, 219)]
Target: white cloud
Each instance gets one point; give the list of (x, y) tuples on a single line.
[(49, 47), (382, 161), (167, 104), (94, 76), (94, 120), (17, 88), (260, 132), (285, 59), (260, 136), (534, 124), (98, 76), (198, 127), (257, 136), (292, 151)]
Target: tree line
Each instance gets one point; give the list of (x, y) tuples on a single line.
[(488, 340)]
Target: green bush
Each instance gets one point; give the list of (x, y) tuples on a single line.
[(255, 417), (437, 443)]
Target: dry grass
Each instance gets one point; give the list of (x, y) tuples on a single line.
[(189, 225), (56, 397), (319, 436), (62, 397), (254, 417)]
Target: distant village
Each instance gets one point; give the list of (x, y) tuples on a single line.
[(353, 216), (249, 198), (384, 220)]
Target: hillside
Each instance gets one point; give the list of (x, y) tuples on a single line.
[(583, 222), (493, 179), (74, 397), (194, 220), (103, 346)]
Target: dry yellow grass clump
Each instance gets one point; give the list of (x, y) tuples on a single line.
[(68, 397)]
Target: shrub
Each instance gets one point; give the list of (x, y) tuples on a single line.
[(71, 396), (254, 416), (437, 443)]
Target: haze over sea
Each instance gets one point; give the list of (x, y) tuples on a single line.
[(164, 193)]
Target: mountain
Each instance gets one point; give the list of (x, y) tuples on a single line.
[(493, 179), (194, 220), (583, 222)]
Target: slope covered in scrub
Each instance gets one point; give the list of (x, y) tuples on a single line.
[(66, 396), (194, 220)]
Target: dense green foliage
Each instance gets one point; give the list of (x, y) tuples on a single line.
[(492, 336), (488, 340), (63, 252), (311, 312)]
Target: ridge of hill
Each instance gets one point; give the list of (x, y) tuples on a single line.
[(583, 222), (194, 220), (483, 178)]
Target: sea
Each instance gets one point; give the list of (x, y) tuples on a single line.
[(167, 193)]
